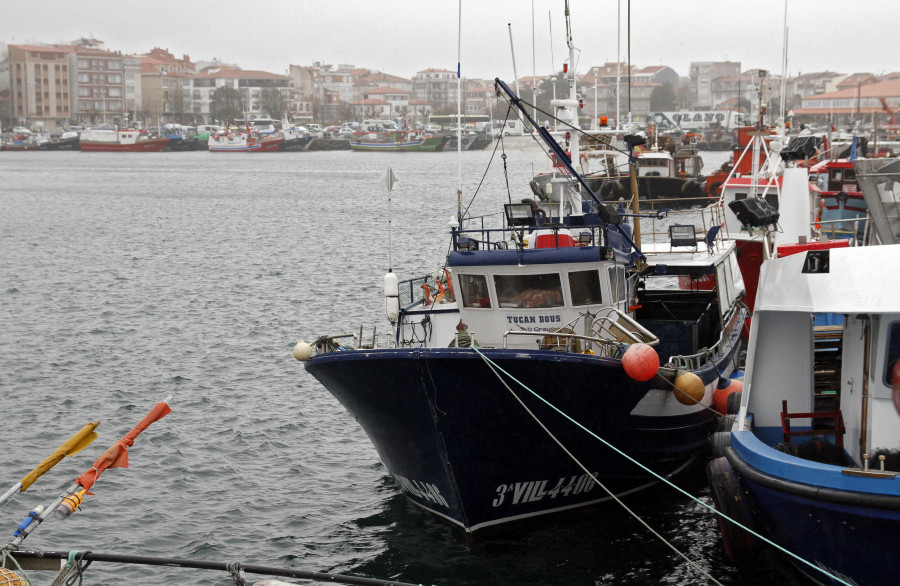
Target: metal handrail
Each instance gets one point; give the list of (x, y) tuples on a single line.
[(695, 361), (648, 337)]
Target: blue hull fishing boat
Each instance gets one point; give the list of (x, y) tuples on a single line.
[(812, 461), (524, 377)]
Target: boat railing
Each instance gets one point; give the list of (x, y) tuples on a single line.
[(710, 218), (609, 333), (854, 229), (413, 291), (470, 239), (734, 321)]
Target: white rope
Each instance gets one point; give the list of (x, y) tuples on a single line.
[(493, 365), (591, 476)]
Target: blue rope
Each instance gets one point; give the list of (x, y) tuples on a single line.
[(665, 480)]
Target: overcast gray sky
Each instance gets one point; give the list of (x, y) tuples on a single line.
[(404, 36)]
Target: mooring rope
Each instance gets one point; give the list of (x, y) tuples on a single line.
[(495, 367), (637, 517), (7, 550)]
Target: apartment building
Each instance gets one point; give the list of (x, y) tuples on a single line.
[(41, 86)]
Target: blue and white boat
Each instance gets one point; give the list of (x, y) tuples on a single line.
[(812, 460), (506, 366)]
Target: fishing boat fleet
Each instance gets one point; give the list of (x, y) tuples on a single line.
[(627, 318), (568, 355), (259, 135)]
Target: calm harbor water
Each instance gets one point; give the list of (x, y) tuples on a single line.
[(125, 278)]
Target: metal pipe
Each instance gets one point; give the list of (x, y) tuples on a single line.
[(203, 565)]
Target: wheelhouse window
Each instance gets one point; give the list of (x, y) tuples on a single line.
[(474, 291), (893, 353), (529, 290), (585, 287)]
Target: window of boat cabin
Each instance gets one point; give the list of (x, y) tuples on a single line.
[(585, 287), (893, 353), (475, 291), (529, 290), (617, 287), (654, 162)]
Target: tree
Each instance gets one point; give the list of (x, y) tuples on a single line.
[(225, 103), (662, 98), (272, 102)]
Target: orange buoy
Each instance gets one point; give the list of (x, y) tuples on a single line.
[(640, 362), (689, 389), (720, 396), (10, 578)]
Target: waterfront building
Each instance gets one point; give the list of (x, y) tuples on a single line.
[(857, 103), (437, 86), (40, 85), (163, 88), (702, 74), (256, 88)]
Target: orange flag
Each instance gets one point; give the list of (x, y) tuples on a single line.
[(116, 455)]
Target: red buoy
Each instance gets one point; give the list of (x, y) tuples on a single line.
[(640, 362), (720, 397)]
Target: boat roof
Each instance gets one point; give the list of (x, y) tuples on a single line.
[(654, 155), (831, 164), (863, 279)]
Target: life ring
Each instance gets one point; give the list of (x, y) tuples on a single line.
[(693, 140), (740, 545)]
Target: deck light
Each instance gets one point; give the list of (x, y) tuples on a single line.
[(519, 214)]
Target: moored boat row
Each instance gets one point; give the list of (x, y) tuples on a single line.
[(235, 140)]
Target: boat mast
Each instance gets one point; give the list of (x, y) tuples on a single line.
[(618, 61), (569, 112), (512, 50), (533, 67), (552, 58), (784, 67), (459, 117)]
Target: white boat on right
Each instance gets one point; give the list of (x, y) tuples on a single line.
[(811, 462)]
